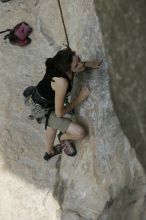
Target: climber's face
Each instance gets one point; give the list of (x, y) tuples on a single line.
[(77, 65)]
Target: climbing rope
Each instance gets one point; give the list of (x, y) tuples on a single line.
[(63, 22)]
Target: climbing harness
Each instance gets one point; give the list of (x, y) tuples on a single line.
[(40, 107)]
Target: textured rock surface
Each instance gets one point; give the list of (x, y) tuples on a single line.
[(105, 181), (123, 26), (26, 181), (106, 172)]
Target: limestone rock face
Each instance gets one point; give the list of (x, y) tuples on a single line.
[(124, 32), (26, 181), (105, 181)]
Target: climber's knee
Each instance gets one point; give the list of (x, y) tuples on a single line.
[(77, 131)]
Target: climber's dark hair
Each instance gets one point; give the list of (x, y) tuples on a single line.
[(60, 63)]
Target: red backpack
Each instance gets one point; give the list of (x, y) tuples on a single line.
[(19, 35)]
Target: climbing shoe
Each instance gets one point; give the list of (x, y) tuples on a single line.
[(57, 150), (67, 146)]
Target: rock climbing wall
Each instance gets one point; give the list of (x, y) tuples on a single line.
[(123, 25), (26, 181), (105, 181), (106, 177)]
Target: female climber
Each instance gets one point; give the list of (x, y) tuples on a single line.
[(55, 86)]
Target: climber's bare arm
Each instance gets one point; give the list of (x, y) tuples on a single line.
[(60, 86)]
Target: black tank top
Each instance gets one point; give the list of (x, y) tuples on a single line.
[(45, 90)]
